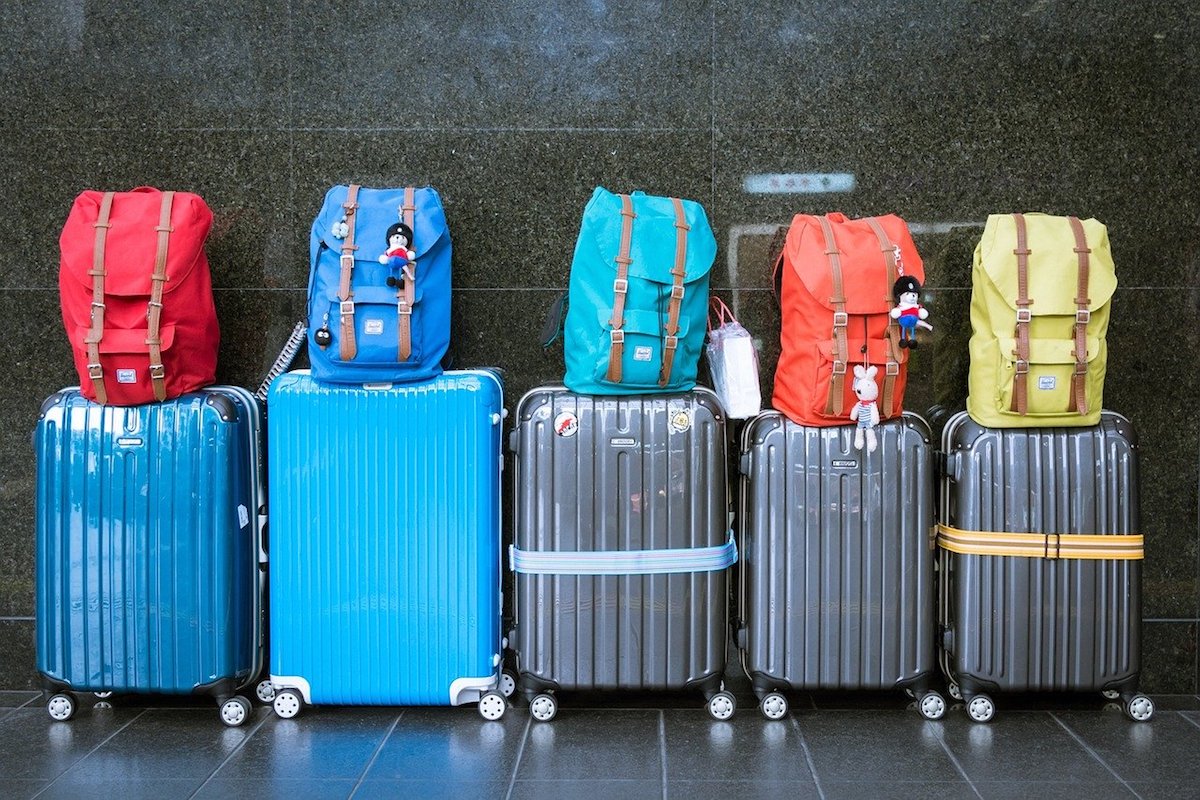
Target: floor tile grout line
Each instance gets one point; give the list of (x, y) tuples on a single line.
[(812, 767), (374, 756), (512, 781), (1092, 752), (80, 760), (941, 737), (233, 753), (662, 748)]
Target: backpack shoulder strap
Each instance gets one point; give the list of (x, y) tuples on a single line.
[(892, 367), (1083, 316), (620, 288), (158, 376), (834, 404), (1020, 403), (677, 272), (96, 333), (406, 291), (347, 346)]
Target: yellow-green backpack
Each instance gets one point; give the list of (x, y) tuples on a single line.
[(1041, 288)]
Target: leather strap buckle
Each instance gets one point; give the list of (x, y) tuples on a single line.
[(95, 371), (1081, 368), (671, 342), (347, 260), (839, 368), (346, 308), (618, 337), (403, 308), (1022, 367), (1024, 315), (676, 292), (1083, 316), (892, 368), (157, 372), (840, 319), (620, 286)]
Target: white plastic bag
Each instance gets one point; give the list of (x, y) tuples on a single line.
[(733, 363)]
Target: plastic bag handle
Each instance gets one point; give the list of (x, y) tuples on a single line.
[(723, 313)]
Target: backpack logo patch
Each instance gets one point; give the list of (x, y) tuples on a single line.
[(127, 376), (642, 353), (374, 327), (1047, 382)]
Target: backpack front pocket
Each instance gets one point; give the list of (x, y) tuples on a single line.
[(1051, 368), (639, 346)]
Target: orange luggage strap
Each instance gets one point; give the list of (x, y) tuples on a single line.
[(96, 332), (672, 327), (154, 310), (405, 293), (620, 289), (1114, 547), (836, 401), (347, 346), (1083, 315), (892, 367), (1024, 317)]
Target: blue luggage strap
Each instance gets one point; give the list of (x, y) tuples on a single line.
[(623, 562)]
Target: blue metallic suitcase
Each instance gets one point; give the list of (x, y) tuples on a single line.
[(386, 545), (150, 561)]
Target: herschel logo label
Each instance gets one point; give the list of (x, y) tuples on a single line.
[(127, 376), (1047, 382), (642, 353), (374, 327), (844, 463)]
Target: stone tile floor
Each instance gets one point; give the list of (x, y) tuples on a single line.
[(830, 746)]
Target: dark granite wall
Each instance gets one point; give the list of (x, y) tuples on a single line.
[(943, 113)]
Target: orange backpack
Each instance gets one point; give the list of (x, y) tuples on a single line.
[(835, 277)]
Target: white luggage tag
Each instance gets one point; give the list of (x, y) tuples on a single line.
[(733, 363)]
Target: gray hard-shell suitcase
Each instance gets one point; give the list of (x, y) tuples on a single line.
[(836, 585), (599, 479), (1018, 623)]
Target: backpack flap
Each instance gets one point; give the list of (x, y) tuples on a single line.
[(378, 209), (652, 247), (865, 283), (131, 241), (1053, 265)]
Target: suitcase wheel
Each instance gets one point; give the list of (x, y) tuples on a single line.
[(287, 704), (1140, 708), (1111, 694), (265, 692), (492, 706), (932, 706), (61, 707), (721, 706), (543, 707), (955, 692), (102, 695), (981, 708), (235, 711), (508, 683), (773, 706)]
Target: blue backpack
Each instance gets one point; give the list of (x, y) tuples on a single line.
[(638, 296), (379, 289)]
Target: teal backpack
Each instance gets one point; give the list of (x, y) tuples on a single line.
[(638, 297)]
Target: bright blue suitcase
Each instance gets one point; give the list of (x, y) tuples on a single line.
[(385, 542), (150, 561)]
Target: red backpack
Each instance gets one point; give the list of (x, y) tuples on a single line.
[(137, 295), (836, 276)]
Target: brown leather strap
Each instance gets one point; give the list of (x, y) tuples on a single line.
[(158, 376), (835, 402), (1083, 315), (347, 346), (1020, 403), (96, 332), (406, 291), (672, 327), (620, 289), (891, 370)]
